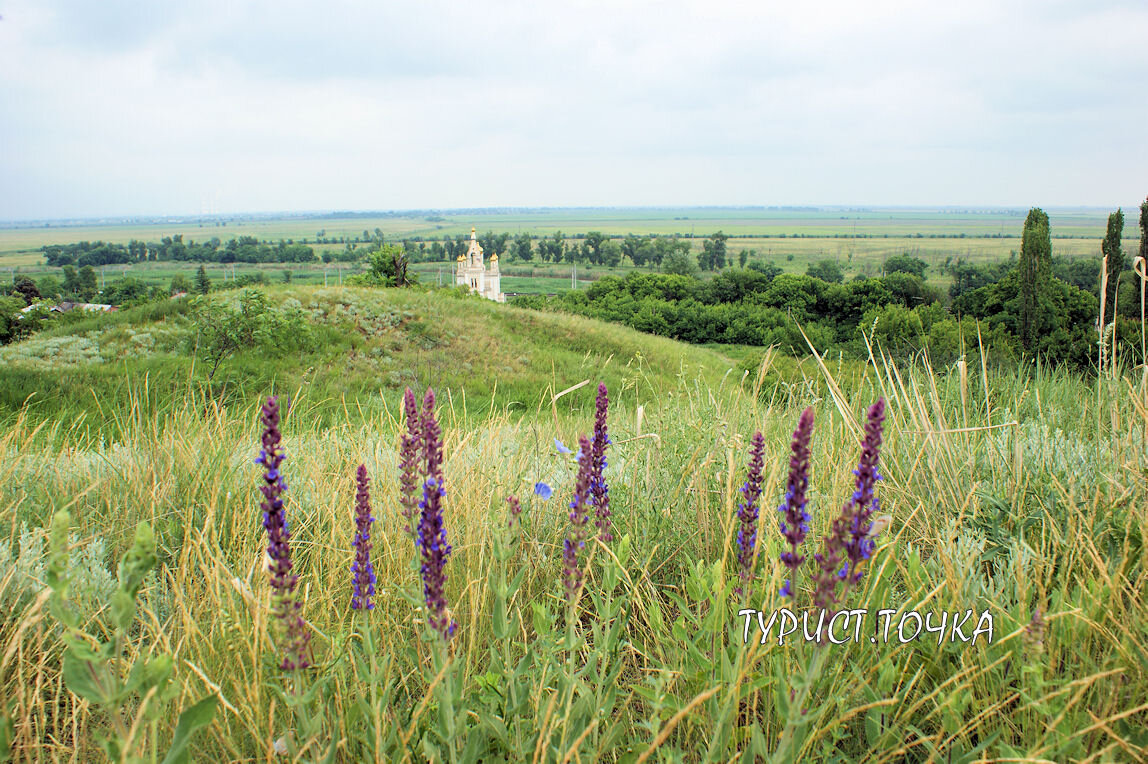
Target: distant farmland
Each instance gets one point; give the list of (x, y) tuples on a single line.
[(859, 240)]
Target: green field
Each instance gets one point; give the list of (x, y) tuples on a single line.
[(859, 241), (1021, 493)]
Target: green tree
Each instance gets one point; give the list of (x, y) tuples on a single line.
[(593, 242), (202, 282), (179, 283), (826, 270), (71, 281), (1035, 270), (1113, 254), (906, 264), (770, 270), (87, 283), (611, 253), (386, 266), (522, 248), (719, 239), (1144, 231), (680, 261), (11, 327), (26, 288), (631, 248)]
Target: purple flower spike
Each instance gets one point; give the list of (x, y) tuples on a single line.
[(848, 541), (286, 609), (362, 572), (515, 509), (796, 522), (600, 492), (579, 516), (865, 504), (431, 537), (747, 513), (410, 445)]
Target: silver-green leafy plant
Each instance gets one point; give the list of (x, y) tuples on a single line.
[(102, 675)]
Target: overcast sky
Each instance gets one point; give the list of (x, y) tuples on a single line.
[(121, 108)]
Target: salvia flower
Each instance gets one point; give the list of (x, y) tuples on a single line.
[(286, 608), (515, 510), (830, 558), (599, 490), (747, 513), (865, 504), (431, 538), (850, 541), (796, 522), (410, 446), (579, 516), (362, 572)]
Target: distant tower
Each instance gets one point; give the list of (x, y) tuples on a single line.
[(472, 272)]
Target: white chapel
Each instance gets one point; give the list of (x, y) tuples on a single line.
[(471, 271)]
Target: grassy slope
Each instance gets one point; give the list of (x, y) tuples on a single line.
[(1008, 493), (372, 343)]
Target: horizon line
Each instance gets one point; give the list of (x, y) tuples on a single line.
[(422, 211)]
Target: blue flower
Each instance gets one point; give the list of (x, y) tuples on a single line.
[(786, 589), (561, 448), (543, 490)]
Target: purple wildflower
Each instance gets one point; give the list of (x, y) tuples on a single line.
[(796, 522), (865, 504), (543, 490), (576, 539), (830, 558), (515, 509), (409, 446), (599, 490), (431, 532), (747, 513), (848, 541), (362, 572), (285, 606), (561, 447)]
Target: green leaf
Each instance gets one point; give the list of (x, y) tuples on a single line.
[(123, 608), (89, 679), (147, 674), (199, 715), (500, 627)]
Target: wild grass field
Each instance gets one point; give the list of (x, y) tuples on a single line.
[(1022, 493)]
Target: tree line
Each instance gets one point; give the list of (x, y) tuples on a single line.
[(1026, 306), (244, 249)]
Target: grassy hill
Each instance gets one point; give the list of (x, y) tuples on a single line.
[(364, 347)]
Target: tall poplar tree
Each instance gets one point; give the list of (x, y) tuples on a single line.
[(1035, 271), (1111, 249), (1144, 230)]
